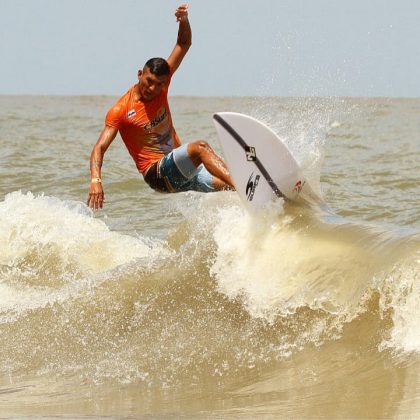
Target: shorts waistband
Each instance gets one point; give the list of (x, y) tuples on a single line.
[(156, 181)]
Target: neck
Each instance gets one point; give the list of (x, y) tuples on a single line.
[(137, 93)]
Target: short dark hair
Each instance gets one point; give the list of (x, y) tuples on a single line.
[(158, 66)]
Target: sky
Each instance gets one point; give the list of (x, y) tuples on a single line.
[(240, 47)]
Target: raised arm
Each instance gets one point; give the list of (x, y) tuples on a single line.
[(96, 196), (183, 41)]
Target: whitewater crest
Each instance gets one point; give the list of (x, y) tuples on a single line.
[(281, 261), (54, 249), (225, 292)]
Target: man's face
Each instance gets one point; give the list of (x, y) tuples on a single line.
[(150, 84)]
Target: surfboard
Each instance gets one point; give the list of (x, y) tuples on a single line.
[(261, 165)]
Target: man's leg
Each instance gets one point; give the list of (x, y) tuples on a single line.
[(219, 185), (201, 153)]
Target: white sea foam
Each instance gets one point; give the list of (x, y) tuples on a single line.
[(401, 296), (51, 247), (276, 264), (277, 267)]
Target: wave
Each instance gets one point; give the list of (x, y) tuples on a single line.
[(225, 292)]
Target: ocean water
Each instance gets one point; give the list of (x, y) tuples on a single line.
[(185, 305)]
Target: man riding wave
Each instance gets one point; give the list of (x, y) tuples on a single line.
[(143, 118)]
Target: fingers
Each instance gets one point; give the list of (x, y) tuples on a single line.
[(183, 7), (181, 11), (96, 200)]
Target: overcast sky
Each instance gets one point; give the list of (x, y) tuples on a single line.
[(240, 47)]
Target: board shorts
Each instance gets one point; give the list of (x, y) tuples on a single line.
[(176, 172)]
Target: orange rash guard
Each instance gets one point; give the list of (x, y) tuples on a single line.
[(145, 127)]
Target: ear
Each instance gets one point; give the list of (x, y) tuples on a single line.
[(139, 73)]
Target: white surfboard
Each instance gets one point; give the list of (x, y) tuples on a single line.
[(261, 166)]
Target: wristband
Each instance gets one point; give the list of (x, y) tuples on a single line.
[(95, 180)]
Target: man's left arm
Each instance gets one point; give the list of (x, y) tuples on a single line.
[(183, 41)]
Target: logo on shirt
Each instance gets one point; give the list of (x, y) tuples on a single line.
[(162, 114), (131, 113)]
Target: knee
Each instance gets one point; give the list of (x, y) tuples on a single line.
[(198, 147), (202, 145)]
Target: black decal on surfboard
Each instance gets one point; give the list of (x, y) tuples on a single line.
[(251, 154), (251, 186), (257, 162)]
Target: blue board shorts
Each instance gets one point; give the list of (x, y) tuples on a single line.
[(176, 172)]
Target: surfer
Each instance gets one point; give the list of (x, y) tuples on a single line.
[(143, 119)]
